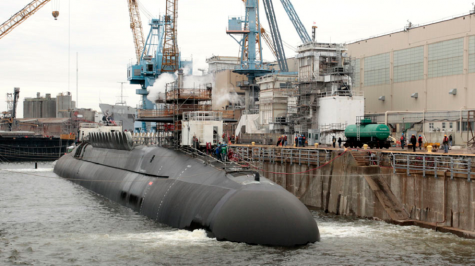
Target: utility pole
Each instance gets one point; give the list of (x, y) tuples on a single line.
[(122, 93), (77, 80)]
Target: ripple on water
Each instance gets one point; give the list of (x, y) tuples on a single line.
[(48, 220)]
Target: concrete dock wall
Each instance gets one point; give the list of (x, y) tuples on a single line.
[(343, 187)]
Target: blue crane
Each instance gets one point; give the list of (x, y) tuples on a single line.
[(251, 63), (275, 33), (250, 47), (149, 67), (294, 17)]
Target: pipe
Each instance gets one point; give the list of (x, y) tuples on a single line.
[(395, 112), (460, 124)]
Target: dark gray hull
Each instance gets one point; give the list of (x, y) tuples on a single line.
[(175, 189)]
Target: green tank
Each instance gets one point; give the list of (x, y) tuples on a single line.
[(378, 131)]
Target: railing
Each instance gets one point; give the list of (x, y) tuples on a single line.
[(189, 94), (155, 113), (433, 164), (169, 112), (273, 155)]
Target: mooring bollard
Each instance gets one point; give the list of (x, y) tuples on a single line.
[(36, 165)]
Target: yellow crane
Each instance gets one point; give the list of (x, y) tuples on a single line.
[(35, 5), (136, 26), (23, 15)]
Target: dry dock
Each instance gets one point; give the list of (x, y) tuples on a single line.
[(432, 190)]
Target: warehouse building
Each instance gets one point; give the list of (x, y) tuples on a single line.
[(420, 79)]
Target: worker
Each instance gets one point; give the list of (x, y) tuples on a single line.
[(339, 142), (334, 142), (279, 141), (208, 148), (450, 141), (296, 141), (413, 142), (233, 139), (403, 141), (420, 142), (303, 140), (285, 141), (445, 142), (224, 152), (218, 151)]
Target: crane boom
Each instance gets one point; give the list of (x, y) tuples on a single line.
[(21, 16), (275, 32), (294, 17), (171, 55), (136, 26), (268, 41)]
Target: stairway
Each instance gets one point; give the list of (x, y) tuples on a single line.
[(361, 158), (386, 197)]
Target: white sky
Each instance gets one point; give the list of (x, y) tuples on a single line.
[(34, 56)]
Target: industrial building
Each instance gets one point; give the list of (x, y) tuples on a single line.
[(48, 107), (39, 107), (420, 79)]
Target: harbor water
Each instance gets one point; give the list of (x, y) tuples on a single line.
[(47, 220)]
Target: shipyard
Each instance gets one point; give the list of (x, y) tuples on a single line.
[(252, 132)]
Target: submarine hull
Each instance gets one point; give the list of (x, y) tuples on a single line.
[(175, 189)]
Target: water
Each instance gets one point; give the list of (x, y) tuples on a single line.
[(45, 219)]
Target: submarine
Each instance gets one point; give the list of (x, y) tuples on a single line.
[(185, 190)]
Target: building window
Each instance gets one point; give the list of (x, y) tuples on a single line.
[(376, 70), (431, 126), (446, 58), (443, 125), (356, 72), (471, 54), (451, 125), (409, 64)]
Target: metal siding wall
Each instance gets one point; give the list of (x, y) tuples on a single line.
[(433, 90)]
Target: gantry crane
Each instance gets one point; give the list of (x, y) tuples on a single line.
[(159, 54), (248, 27), (23, 15)]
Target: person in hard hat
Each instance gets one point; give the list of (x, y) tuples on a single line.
[(403, 141), (279, 141), (445, 142), (420, 142), (218, 151), (224, 152), (285, 141), (413, 142)]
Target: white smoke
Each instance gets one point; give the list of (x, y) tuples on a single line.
[(157, 91), (223, 96), (194, 82)]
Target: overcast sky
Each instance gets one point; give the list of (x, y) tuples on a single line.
[(34, 56)]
